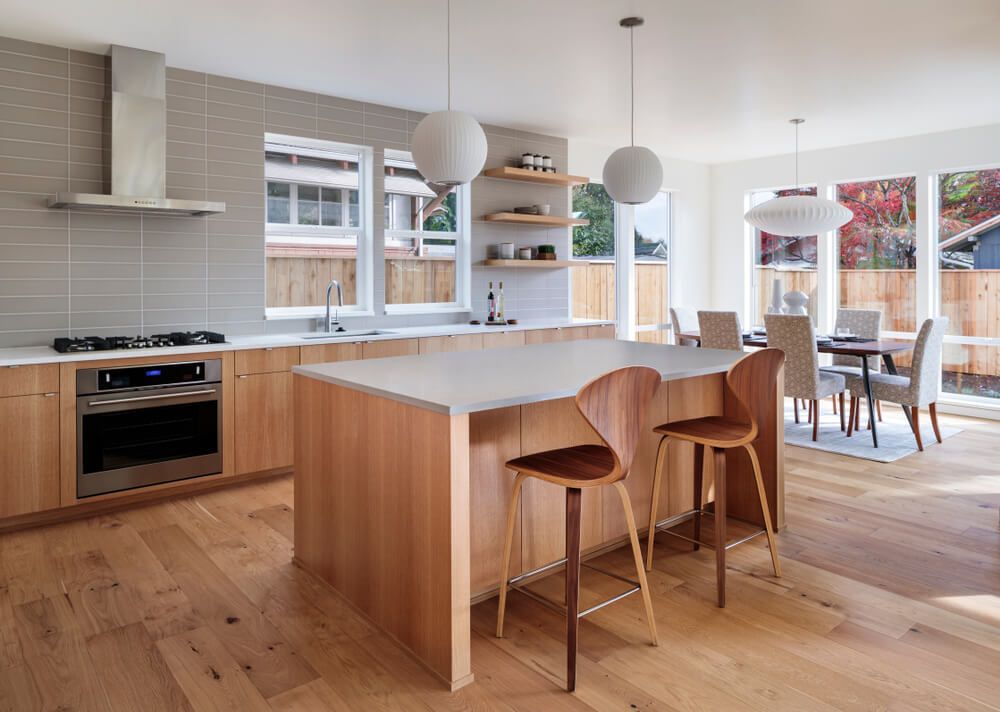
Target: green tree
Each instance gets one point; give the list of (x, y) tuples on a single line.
[(597, 239)]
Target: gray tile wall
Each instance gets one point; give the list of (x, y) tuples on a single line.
[(81, 273)]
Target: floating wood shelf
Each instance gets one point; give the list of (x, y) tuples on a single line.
[(528, 176), (539, 220), (534, 264)]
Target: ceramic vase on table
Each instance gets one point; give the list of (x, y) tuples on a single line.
[(795, 302), (776, 291)]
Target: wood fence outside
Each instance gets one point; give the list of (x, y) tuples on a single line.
[(594, 292)]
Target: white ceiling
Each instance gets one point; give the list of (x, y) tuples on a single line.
[(716, 79)]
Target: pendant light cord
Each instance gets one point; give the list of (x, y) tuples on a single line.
[(797, 189), (449, 55), (631, 41)]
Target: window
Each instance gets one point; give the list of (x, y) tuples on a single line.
[(878, 255), (426, 240), (594, 285), (782, 264), (317, 227), (968, 239), (651, 233)]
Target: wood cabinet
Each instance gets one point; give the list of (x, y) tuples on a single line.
[(270, 360), (502, 339), (394, 347), (562, 333), (328, 353), (29, 441), (455, 342), (264, 421), (605, 331), (26, 380)]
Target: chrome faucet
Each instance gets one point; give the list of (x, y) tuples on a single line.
[(340, 302)]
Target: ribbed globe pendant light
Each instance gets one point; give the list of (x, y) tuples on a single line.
[(448, 147), (796, 215), (632, 174)]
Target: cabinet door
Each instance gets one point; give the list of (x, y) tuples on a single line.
[(267, 360), (392, 347), (29, 466), (263, 423), (501, 339), (328, 353), (561, 333), (456, 342), (605, 331)]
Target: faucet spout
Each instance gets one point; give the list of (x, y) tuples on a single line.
[(340, 302)]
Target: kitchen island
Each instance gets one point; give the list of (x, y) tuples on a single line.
[(401, 490)]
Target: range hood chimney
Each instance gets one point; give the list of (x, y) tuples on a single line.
[(138, 142)]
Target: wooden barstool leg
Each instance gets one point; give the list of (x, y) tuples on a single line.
[(842, 426), (916, 427), (772, 545), (937, 431), (573, 506), (637, 553), (699, 467), (505, 563), (661, 454), (719, 476)]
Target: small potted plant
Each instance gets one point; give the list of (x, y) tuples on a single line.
[(546, 252)]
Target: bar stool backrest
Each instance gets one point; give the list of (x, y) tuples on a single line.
[(753, 378), (616, 406)]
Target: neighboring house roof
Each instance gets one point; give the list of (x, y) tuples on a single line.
[(279, 168), (964, 238)]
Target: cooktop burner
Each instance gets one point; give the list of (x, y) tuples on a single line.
[(115, 343)]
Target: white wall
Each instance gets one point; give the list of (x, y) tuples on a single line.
[(923, 156), (689, 186)]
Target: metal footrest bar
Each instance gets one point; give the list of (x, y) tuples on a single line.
[(561, 608), (685, 516)]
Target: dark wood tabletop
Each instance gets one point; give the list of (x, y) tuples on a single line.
[(879, 347)]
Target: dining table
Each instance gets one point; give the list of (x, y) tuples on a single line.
[(851, 346)]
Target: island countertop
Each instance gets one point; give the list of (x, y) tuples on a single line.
[(468, 382)]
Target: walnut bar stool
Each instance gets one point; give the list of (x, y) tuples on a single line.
[(749, 378), (615, 405)]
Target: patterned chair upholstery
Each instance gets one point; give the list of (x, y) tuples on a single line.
[(794, 334), (918, 390), (720, 330), (866, 323), (684, 320)]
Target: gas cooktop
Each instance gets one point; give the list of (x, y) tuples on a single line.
[(118, 343)]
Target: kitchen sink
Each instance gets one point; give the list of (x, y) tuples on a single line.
[(349, 334)]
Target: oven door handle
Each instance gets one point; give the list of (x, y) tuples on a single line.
[(162, 396)]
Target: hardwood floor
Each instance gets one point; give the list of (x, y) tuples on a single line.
[(890, 600)]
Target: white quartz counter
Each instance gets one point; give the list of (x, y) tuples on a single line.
[(45, 354), (466, 382)]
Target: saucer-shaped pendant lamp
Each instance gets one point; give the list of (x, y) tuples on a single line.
[(796, 215), (632, 174), (448, 147)]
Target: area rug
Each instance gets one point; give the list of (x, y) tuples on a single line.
[(895, 439)]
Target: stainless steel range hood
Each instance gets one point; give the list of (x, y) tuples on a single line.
[(138, 142)]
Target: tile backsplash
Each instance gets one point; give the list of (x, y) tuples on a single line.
[(81, 273)]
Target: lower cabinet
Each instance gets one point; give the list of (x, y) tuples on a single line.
[(455, 342), (263, 424), (562, 333), (394, 347), (29, 443)]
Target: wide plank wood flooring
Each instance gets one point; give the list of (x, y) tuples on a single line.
[(890, 601)]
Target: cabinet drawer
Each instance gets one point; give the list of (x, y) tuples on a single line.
[(327, 353), (395, 347), (456, 342), (266, 360), (605, 331), (26, 380), (560, 333), (502, 339)]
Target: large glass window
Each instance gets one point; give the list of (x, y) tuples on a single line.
[(782, 264), (969, 277), (877, 250), (425, 234), (315, 229), (594, 284), (652, 269)]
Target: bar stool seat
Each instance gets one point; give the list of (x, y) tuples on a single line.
[(751, 377), (615, 406)]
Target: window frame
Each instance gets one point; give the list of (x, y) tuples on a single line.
[(463, 246), (362, 235)]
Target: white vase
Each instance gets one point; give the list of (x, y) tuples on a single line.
[(796, 302), (776, 290)]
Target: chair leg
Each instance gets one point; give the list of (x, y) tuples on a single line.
[(718, 458), (699, 468), (796, 402), (857, 416), (878, 410), (937, 431), (573, 506), (851, 415), (637, 553), (809, 405), (508, 542), (815, 410), (841, 399), (916, 427), (834, 399), (654, 498), (772, 545)]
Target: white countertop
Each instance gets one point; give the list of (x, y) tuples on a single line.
[(460, 382), (25, 355)]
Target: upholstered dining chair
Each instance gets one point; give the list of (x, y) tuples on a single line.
[(918, 390), (684, 320), (867, 324), (794, 334), (720, 330)]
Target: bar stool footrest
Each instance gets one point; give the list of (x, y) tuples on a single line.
[(684, 516), (561, 608)]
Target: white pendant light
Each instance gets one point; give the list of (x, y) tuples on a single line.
[(797, 215), (448, 147), (632, 174)]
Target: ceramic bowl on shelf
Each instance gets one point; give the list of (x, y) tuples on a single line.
[(527, 210), (543, 209)]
